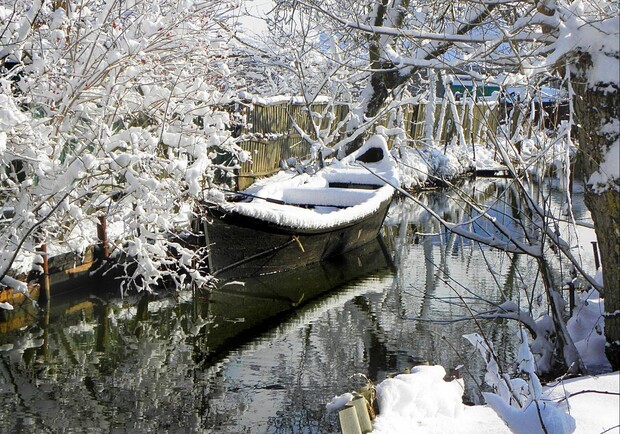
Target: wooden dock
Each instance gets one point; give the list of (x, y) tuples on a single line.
[(60, 273)]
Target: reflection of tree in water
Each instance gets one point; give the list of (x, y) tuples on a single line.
[(380, 358), (451, 277)]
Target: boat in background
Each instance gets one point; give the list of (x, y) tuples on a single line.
[(292, 220)]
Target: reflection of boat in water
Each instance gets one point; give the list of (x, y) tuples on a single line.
[(293, 221), (239, 310), (233, 313), (28, 310), (128, 363)]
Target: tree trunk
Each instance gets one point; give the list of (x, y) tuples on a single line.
[(385, 76), (596, 106)]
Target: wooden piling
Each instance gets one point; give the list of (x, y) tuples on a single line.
[(102, 236), (44, 279), (349, 422), (361, 407)]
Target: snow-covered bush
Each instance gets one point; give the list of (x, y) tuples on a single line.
[(110, 108), (587, 328)]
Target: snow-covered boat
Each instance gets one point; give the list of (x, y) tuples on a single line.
[(291, 220)]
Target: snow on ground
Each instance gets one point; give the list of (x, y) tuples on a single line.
[(417, 166), (422, 402), (593, 412)]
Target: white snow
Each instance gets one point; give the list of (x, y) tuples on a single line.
[(346, 204), (283, 99), (422, 402), (608, 174), (17, 287), (593, 412), (599, 38), (338, 402), (586, 328)]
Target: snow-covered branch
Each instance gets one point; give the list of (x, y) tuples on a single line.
[(112, 108)]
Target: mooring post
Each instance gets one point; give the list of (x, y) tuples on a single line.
[(361, 407), (102, 236), (349, 422), (44, 279)]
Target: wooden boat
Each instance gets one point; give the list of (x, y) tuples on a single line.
[(293, 220)]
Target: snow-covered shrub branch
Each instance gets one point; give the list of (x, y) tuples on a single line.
[(519, 401), (542, 331), (111, 108)]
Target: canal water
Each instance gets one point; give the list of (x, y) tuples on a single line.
[(265, 355)]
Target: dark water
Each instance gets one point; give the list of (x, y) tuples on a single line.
[(265, 355)]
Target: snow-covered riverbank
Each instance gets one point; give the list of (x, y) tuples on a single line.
[(423, 402)]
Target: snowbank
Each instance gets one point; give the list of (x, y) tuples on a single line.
[(422, 402), (594, 412), (417, 166)]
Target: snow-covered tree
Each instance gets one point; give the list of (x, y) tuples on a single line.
[(110, 108), (588, 44)]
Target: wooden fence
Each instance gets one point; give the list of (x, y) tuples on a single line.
[(274, 137)]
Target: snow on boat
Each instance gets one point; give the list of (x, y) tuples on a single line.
[(293, 220)]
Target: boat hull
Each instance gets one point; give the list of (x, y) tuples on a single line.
[(240, 245)]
